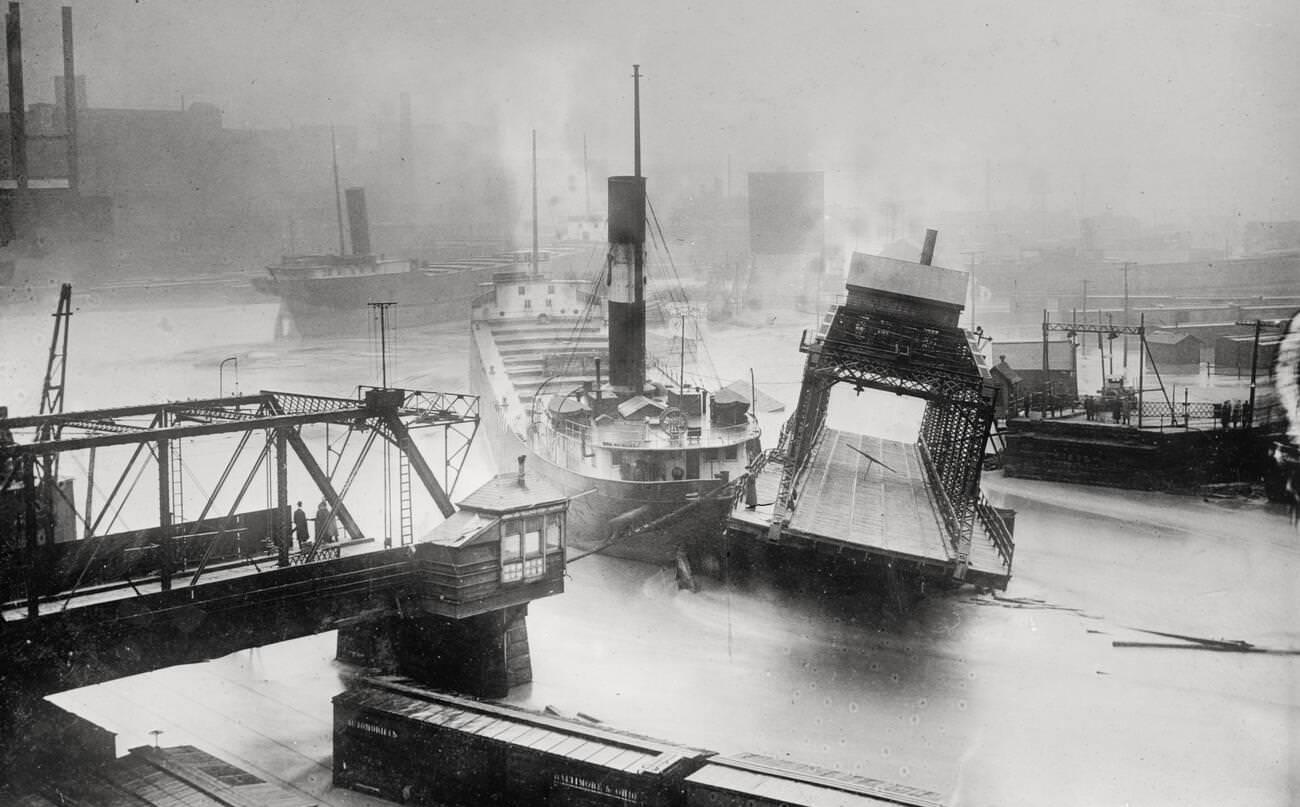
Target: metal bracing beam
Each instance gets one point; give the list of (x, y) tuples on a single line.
[(407, 445), (221, 481), (1131, 330), (230, 515), (322, 482), (281, 532), (173, 432), (93, 529), (133, 411), (944, 349), (799, 437), (891, 379)]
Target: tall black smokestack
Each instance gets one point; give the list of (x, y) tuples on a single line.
[(358, 223), (626, 286), (17, 106), (70, 97), (625, 273)]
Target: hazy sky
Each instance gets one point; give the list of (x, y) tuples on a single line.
[(1153, 108)]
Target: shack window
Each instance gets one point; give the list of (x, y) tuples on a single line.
[(550, 289), (553, 532), (534, 561), (730, 452), (521, 291), (528, 303), (522, 556), (512, 552)]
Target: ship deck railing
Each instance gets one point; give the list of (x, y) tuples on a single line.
[(645, 436)]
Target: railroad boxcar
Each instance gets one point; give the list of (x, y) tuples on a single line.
[(750, 780), (409, 744)]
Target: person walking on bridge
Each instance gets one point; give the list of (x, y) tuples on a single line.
[(324, 524), (300, 526)]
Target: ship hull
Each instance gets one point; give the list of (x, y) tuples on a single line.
[(321, 307), (644, 521), (651, 522)]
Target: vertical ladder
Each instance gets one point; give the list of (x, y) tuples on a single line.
[(404, 499), (177, 486)]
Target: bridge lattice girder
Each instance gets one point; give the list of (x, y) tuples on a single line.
[(390, 413), (919, 360)]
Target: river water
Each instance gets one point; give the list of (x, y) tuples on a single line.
[(1017, 699)]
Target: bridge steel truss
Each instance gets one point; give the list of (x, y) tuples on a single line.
[(920, 360), (391, 414)]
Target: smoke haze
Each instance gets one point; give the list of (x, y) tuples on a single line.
[(1161, 110)]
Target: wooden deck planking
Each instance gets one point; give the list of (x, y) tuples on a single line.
[(848, 498)]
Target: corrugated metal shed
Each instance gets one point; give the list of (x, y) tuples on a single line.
[(616, 751), (798, 784)]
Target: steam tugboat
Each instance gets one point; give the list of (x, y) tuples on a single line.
[(649, 461)]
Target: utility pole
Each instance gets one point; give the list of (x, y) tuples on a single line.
[(1110, 320), (1084, 342), (382, 308), (1127, 264), (1254, 363)]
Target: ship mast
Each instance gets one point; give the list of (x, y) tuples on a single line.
[(534, 261), (626, 276), (338, 201)]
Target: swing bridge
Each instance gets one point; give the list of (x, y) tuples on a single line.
[(68, 578), (43, 519)]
